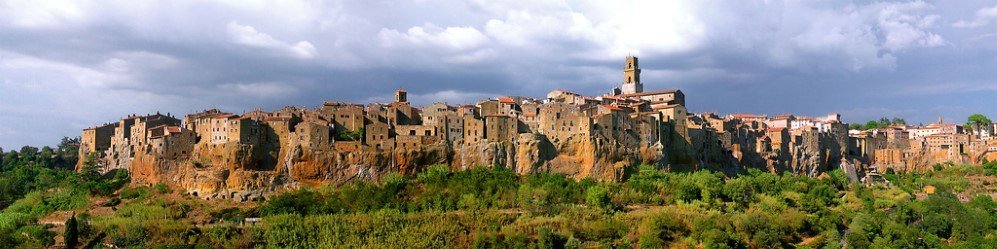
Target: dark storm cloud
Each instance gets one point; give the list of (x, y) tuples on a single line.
[(68, 65)]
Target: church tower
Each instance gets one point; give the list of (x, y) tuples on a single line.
[(631, 77)]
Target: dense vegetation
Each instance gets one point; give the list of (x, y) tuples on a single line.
[(876, 124), (35, 183), (495, 208)]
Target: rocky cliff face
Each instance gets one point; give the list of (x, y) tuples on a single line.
[(243, 172)]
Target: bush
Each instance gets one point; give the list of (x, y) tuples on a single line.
[(299, 202), (133, 193), (597, 196), (71, 233), (548, 239), (661, 229), (162, 188)]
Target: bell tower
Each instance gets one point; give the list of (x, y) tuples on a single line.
[(631, 77), (401, 96)]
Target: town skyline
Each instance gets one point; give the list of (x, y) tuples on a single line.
[(69, 65)]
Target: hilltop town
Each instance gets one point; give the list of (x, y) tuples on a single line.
[(215, 154)]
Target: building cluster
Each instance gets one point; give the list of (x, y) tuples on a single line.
[(910, 147), (626, 115), (783, 143), (119, 141)]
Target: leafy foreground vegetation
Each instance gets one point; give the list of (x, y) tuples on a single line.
[(495, 208)]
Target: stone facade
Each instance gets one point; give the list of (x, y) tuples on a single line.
[(214, 154)]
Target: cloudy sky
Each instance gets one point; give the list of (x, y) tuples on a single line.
[(67, 65)]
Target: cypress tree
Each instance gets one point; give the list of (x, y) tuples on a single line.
[(71, 234)]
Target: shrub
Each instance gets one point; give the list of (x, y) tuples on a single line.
[(300, 202), (548, 239), (660, 229), (597, 196), (71, 233)]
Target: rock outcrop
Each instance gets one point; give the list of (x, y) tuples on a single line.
[(244, 172)]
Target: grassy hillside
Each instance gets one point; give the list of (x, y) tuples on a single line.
[(495, 208)]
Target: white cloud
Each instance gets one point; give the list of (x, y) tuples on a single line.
[(429, 35), (249, 36), (80, 75), (118, 57), (983, 17), (452, 97), (904, 28), (260, 89), (42, 15)]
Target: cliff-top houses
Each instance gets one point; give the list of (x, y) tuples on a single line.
[(626, 115)]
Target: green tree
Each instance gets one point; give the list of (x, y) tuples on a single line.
[(10, 159), (68, 152), (47, 156), (548, 239), (91, 167), (739, 190), (28, 154), (597, 196), (898, 121), (872, 124), (71, 235), (854, 126), (884, 122), (978, 122)]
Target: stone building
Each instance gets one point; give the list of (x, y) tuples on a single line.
[(631, 77), (378, 135), (343, 117), (566, 131), (501, 128), (314, 134), (402, 113), (558, 121), (474, 130), (173, 142), (96, 138), (142, 124)]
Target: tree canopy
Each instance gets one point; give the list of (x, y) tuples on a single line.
[(978, 122)]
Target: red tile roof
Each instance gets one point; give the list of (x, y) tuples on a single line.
[(614, 108), (745, 115), (664, 107), (650, 93)]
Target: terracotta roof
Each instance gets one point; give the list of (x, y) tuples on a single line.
[(745, 115), (650, 93), (269, 119), (567, 92), (506, 100), (614, 108), (156, 127), (220, 115), (664, 107), (401, 91), (173, 129)]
